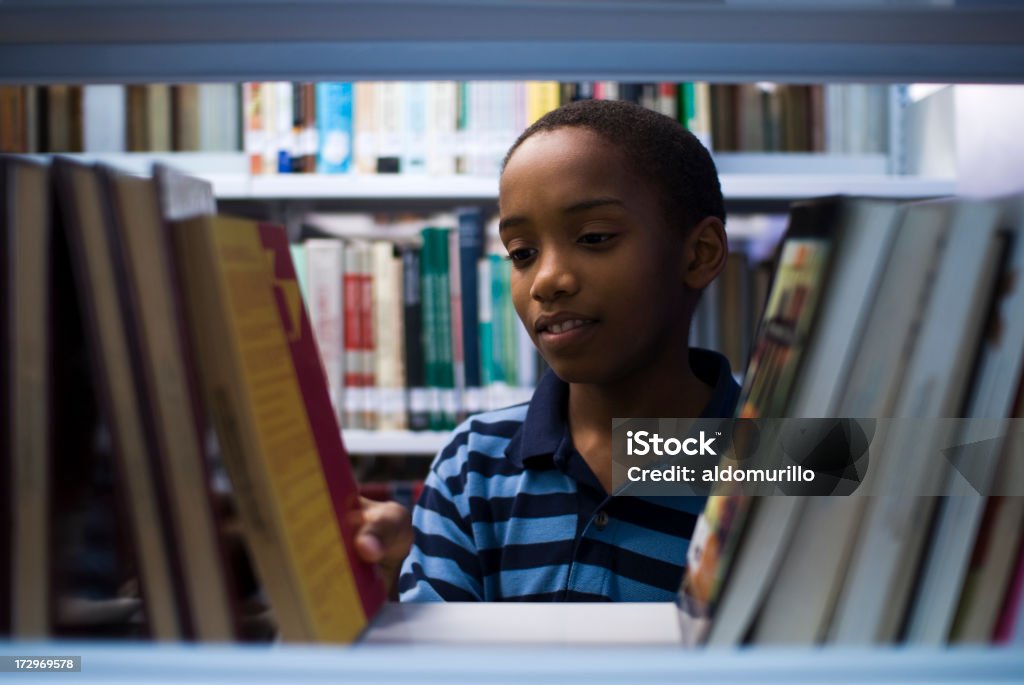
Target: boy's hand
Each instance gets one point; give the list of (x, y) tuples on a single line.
[(384, 536)]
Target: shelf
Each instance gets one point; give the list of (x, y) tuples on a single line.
[(140, 662), (394, 443), (778, 177), (737, 40)]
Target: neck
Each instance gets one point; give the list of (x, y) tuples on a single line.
[(670, 390)]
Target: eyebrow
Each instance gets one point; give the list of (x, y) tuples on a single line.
[(581, 206)]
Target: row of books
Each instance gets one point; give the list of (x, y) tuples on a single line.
[(134, 320), (416, 325), (434, 127), (881, 309), (419, 333), (118, 118)]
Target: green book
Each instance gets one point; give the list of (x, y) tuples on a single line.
[(437, 328)]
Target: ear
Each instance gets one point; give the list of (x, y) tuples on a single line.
[(706, 252)]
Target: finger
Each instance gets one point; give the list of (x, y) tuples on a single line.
[(369, 547), (391, 524)]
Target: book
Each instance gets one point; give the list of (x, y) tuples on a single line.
[(437, 338), (185, 121), (993, 393), (26, 414), (765, 539), (471, 250), (389, 372), (324, 260), (412, 327), (220, 118), (798, 609), (987, 579), (740, 540), (352, 327), (166, 396), (334, 127), (103, 118), (709, 559), (881, 575), (792, 308), (254, 115), (84, 226), (282, 445)]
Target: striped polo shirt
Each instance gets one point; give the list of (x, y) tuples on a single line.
[(511, 511)]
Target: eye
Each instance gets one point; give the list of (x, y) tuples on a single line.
[(595, 238), (521, 255)]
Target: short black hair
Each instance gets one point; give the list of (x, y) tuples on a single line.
[(671, 158)]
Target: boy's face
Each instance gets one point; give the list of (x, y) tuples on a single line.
[(597, 272)]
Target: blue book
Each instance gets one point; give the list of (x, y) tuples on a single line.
[(471, 249), (334, 127)]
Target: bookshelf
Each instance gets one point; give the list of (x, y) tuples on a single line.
[(756, 177), (393, 443), (62, 42), (135, 40), (386, 665)]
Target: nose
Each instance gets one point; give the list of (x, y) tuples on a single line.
[(554, 277)]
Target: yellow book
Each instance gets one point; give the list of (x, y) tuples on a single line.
[(266, 389)]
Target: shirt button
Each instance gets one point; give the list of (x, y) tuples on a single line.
[(601, 520)]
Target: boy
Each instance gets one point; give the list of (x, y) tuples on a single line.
[(613, 218)]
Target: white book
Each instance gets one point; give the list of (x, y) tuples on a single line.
[(551, 624), (104, 119), (365, 125), (808, 582), (765, 539), (220, 118), (389, 388), (993, 396), (442, 117), (864, 240), (875, 596), (414, 97), (285, 143), (391, 114), (324, 296)]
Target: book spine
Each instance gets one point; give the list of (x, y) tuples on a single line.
[(412, 317), (368, 342), (298, 115), (455, 315), (509, 322), (387, 323), (352, 335), (334, 121), (219, 117), (323, 266), (185, 117), (470, 240), (414, 128), (446, 357), (441, 124), (254, 131), (160, 117), (105, 128), (309, 135), (283, 133), (365, 126), (485, 326), (390, 117)]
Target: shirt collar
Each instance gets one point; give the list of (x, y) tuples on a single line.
[(544, 432)]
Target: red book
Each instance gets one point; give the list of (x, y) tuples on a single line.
[(1008, 629)]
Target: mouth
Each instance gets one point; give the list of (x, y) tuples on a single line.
[(563, 328)]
